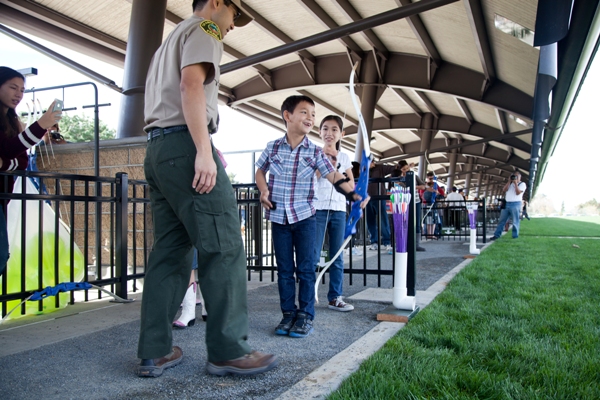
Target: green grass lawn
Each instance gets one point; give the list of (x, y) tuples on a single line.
[(519, 322), (567, 226)]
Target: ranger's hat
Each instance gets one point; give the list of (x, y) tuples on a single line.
[(244, 17)]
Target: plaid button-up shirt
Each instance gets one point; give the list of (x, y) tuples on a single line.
[(291, 178)]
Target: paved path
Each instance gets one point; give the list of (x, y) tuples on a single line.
[(88, 350)]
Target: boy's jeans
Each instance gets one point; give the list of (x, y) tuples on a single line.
[(299, 238), (372, 215), (335, 224)]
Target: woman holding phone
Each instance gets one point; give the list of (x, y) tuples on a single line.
[(15, 139)]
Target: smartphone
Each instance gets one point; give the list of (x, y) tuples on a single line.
[(58, 105)]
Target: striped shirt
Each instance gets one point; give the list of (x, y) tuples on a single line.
[(291, 178)]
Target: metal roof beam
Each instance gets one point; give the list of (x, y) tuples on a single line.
[(447, 123), (465, 110), (371, 37), (400, 93), (464, 146), (90, 42), (275, 32), (482, 42), (432, 109), (329, 23), (403, 71), (336, 33), (422, 35)]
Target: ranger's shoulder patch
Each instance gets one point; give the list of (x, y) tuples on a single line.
[(212, 29)]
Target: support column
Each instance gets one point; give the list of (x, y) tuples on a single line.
[(427, 135), (145, 36), (469, 175), (479, 183), (370, 94), (452, 167)]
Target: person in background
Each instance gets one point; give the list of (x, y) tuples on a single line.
[(419, 186), (376, 210), (331, 209), (15, 140), (514, 190), (455, 204), (524, 212)]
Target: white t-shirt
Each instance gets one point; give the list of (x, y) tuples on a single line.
[(455, 199), (326, 197), (511, 195)]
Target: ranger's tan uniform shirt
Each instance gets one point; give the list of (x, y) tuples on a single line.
[(188, 44)]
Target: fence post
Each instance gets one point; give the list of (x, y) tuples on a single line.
[(411, 245), (484, 222), (121, 228)]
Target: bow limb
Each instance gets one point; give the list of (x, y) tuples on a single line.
[(327, 265), (362, 184), (365, 162)]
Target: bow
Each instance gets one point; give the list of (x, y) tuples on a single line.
[(361, 186)]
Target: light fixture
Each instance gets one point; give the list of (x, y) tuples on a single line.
[(28, 71)]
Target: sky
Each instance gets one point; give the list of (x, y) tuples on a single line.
[(567, 178)]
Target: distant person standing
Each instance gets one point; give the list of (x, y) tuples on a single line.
[(193, 202), (524, 212), (456, 203), (514, 190)]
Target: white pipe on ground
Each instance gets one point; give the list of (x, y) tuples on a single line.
[(400, 300)]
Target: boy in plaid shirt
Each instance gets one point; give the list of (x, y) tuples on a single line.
[(288, 198)]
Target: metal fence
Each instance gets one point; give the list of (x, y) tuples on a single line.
[(99, 230)]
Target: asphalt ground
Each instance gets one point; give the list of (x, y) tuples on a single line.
[(88, 350)]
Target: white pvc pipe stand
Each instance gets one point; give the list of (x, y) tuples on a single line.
[(401, 301), (473, 247)]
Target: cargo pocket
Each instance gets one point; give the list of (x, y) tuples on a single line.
[(218, 223)]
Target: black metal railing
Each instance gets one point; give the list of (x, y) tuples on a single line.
[(106, 224)]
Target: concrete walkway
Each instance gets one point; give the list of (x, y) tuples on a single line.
[(88, 350)]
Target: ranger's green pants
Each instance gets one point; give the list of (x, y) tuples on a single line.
[(210, 222)]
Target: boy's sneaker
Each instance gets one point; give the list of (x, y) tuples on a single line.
[(302, 327), (373, 246), (286, 324), (339, 305)]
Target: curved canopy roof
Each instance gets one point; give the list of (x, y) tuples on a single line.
[(461, 74)]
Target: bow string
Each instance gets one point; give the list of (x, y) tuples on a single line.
[(361, 186)]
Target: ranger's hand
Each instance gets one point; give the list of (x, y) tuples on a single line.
[(205, 176)]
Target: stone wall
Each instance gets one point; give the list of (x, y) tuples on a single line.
[(122, 155)]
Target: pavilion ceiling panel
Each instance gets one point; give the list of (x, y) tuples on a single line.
[(523, 155), (181, 8), (484, 114), (512, 57), (87, 12), (393, 104), (514, 126), (398, 37), (449, 28), (403, 136), (444, 104), (517, 57)]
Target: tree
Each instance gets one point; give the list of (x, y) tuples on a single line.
[(562, 208), (80, 128), (231, 176)]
